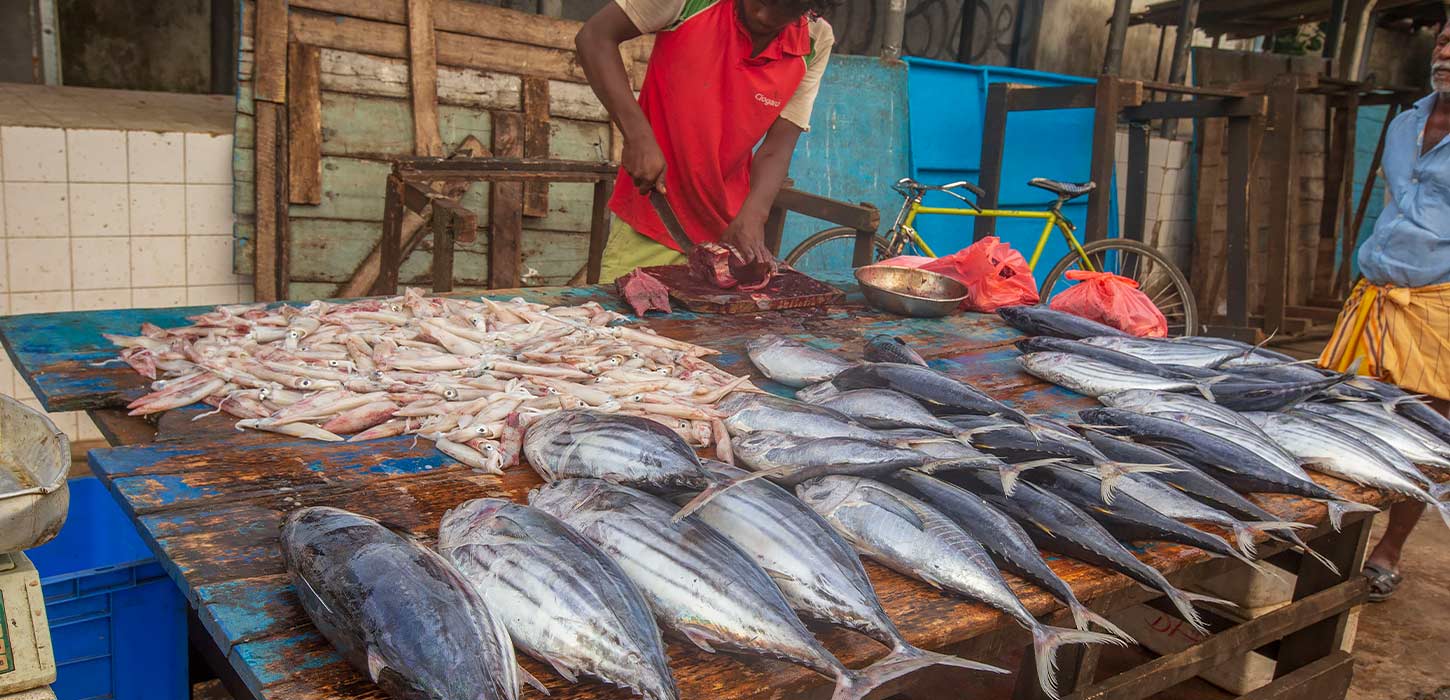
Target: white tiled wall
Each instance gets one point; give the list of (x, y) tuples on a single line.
[(1169, 223), (104, 219)]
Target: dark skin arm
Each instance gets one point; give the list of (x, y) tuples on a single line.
[(767, 173), (598, 46)]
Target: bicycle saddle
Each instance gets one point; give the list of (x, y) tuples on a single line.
[(1066, 190)]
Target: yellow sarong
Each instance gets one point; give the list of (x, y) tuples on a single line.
[(1402, 333), (628, 249)]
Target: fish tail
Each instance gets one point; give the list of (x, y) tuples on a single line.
[(856, 685), (1110, 472), (1083, 618), (1046, 640), (906, 658), (1244, 537), (719, 487), (1338, 509), (1011, 472), (1183, 601)]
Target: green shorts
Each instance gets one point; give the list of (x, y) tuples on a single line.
[(628, 249)]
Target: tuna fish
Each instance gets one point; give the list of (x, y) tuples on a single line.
[(1092, 377), (396, 610), (819, 574), (1269, 396), (916, 540), (1165, 352), (936, 391), (1418, 445), (1040, 320), (1326, 447), (1406, 404), (1053, 444), (748, 412), (700, 585), (1046, 343), (1239, 467), (1151, 401), (623, 449), (1009, 544), (889, 348), (793, 363), (1058, 526), (1205, 489), (885, 409), (562, 599)]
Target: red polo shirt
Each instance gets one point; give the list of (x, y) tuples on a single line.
[(710, 103)]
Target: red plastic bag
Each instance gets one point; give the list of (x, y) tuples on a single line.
[(995, 275), (1114, 300)]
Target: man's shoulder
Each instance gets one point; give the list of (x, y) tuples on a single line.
[(820, 31)]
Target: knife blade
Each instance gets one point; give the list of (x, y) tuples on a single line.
[(672, 223)]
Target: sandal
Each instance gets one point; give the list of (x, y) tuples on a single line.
[(1382, 582)]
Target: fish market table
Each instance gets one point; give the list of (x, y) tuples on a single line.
[(209, 501)]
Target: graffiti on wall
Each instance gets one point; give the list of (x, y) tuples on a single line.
[(933, 28)]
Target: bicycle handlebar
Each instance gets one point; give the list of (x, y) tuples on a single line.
[(908, 187)]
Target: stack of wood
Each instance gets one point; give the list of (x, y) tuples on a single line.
[(332, 91)]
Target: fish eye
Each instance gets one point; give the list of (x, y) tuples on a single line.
[(333, 363), (634, 356), (551, 390), (490, 448), (304, 383), (450, 394), (662, 370), (637, 398), (684, 424)]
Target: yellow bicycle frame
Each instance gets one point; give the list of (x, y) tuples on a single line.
[(1052, 218)]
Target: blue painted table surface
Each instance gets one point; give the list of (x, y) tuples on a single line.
[(209, 499)]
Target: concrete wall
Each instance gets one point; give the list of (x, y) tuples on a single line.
[(1074, 37), (16, 42)]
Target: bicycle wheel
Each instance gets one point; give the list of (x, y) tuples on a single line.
[(1157, 277), (831, 249)]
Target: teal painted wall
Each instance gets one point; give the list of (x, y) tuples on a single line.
[(1366, 137), (857, 146)]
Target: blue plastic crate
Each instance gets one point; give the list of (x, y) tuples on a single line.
[(117, 623)]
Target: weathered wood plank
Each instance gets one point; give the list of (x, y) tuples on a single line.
[(575, 101), (536, 142), (379, 76), (423, 76), (382, 129), (304, 125), (506, 222), (270, 68), (265, 241)]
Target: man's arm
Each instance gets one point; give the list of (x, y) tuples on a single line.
[(767, 173), (598, 46)]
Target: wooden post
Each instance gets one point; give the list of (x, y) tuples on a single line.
[(269, 75), (506, 216), (894, 30), (423, 77), (1239, 156), (1105, 140), (1350, 115), (1335, 164), (270, 242), (1135, 217), (1178, 68), (1117, 37), (536, 142), (774, 229), (1346, 550), (389, 257), (1283, 191), (304, 124), (449, 221), (598, 230), (994, 138)]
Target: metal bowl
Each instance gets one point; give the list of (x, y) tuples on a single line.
[(34, 463), (910, 292)]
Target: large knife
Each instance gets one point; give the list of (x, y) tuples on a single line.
[(672, 223)]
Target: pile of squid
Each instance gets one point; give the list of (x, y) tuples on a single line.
[(468, 375)]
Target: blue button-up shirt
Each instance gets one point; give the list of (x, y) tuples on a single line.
[(1410, 246)]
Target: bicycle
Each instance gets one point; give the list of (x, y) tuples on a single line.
[(1157, 276)]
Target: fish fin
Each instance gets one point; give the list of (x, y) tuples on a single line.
[(376, 664), (1110, 472), (1011, 472), (538, 684), (720, 487), (564, 671), (912, 658), (1244, 537), (1304, 548), (1205, 598), (1083, 618), (699, 636), (1046, 640), (1204, 386), (1338, 509), (1183, 601), (970, 433), (856, 685), (778, 574)]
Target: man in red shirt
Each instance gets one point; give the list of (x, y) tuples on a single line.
[(724, 76)]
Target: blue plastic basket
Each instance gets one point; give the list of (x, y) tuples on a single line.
[(117, 623)]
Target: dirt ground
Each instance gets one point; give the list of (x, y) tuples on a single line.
[(1402, 650)]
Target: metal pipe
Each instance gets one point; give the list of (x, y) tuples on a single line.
[(1117, 37), (895, 30)]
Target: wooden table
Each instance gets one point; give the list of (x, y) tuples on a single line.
[(209, 500)]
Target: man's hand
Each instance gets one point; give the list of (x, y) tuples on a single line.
[(746, 234), (645, 163)]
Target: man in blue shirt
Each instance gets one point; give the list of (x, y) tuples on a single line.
[(1398, 317)]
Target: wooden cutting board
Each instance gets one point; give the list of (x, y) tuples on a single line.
[(789, 290)]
